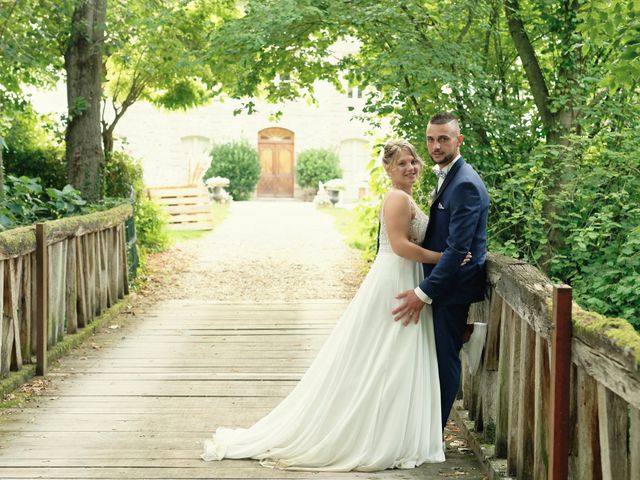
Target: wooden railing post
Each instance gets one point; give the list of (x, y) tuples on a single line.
[(42, 294), (560, 382)]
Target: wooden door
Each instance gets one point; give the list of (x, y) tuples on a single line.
[(275, 147)]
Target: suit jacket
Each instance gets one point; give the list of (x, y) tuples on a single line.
[(457, 225)]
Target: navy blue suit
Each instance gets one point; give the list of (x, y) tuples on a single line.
[(457, 225)]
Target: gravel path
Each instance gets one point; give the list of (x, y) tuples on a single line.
[(264, 251)]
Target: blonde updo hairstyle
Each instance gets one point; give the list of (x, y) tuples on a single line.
[(392, 150)]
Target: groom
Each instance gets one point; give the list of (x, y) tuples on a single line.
[(457, 225)]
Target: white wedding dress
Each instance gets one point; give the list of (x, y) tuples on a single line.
[(371, 398)]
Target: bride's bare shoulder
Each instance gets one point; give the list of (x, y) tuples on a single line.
[(396, 195), (396, 202)]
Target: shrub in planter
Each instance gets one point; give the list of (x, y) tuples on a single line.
[(237, 161), (317, 165)]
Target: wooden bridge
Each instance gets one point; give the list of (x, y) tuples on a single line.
[(138, 398)]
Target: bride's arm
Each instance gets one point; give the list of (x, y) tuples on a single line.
[(397, 217)]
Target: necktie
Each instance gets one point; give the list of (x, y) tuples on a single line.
[(441, 174)]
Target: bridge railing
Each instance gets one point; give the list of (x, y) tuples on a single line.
[(56, 277), (549, 417)]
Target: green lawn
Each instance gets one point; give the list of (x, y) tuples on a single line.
[(220, 213), (348, 224)]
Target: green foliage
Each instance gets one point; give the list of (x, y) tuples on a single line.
[(156, 51), (317, 165), (237, 161), (151, 226), (369, 208), (615, 24), (27, 202), (48, 164), (600, 224), (33, 148), (122, 174), (598, 218), (31, 37), (65, 202), (534, 140), (348, 223)]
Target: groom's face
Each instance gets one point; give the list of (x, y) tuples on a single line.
[(443, 142)]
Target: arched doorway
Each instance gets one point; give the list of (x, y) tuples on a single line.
[(275, 148)]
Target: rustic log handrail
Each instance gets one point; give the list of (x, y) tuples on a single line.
[(22, 240), (556, 400), (56, 277)]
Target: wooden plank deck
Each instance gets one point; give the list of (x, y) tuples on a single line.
[(138, 400)]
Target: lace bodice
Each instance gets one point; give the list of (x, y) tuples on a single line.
[(417, 228)]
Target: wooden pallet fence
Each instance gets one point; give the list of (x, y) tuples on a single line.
[(55, 278), (188, 207), (555, 396)]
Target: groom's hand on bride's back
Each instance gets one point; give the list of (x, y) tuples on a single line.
[(409, 310)]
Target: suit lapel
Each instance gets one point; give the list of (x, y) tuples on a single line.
[(447, 180)]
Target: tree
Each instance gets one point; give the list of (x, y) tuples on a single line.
[(156, 51), (2, 146), (28, 55), (83, 64), (151, 50), (539, 88)]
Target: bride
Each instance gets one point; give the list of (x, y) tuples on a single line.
[(371, 398)]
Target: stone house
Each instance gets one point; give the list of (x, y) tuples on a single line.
[(174, 146)]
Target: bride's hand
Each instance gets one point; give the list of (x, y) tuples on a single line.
[(467, 259)]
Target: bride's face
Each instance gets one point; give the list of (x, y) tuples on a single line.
[(404, 171)]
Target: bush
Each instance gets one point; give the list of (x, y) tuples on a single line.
[(27, 202), (151, 225), (237, 161), (47, 163), (121, 174), (35, 148), (317, 165)]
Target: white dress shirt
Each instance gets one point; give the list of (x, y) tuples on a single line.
[(419, 293)]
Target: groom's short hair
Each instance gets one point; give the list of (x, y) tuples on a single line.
[(442, 118)]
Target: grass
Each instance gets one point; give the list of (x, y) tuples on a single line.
[(348, 223), (220, 212)]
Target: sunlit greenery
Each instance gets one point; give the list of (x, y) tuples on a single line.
[(547, 95), (348, 223)]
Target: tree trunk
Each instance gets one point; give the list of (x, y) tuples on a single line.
[(530, 64), (107, 140), (83, 63), (556, 124)]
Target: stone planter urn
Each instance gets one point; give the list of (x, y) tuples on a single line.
[(334, 196), (334, 187), (218, 194), (216, 186)]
